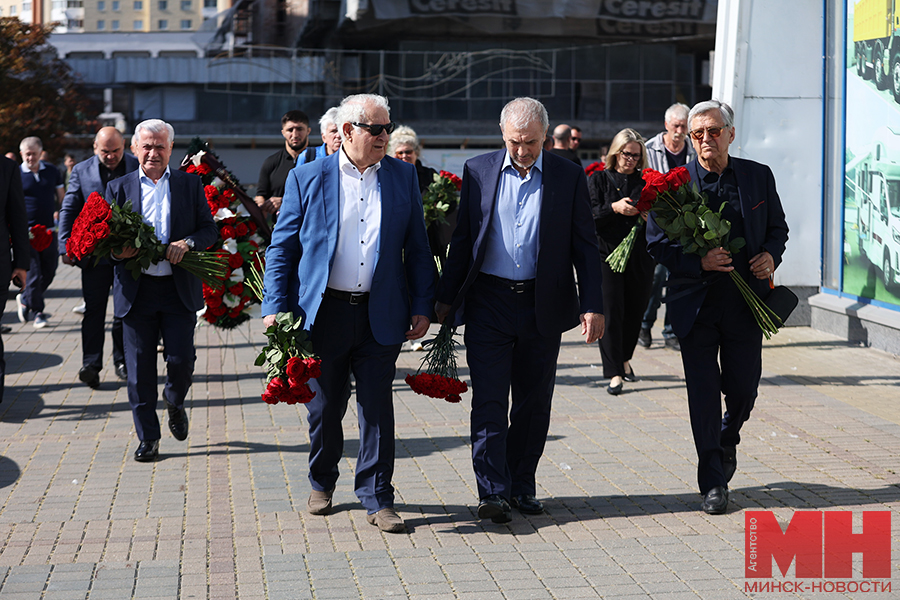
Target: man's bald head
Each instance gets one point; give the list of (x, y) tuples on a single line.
[(109, 146), (561, 135)]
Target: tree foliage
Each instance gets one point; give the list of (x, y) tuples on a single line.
[(40, 95)]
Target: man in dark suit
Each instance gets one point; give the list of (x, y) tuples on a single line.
[(524, 222), (721, 344), (350, 256), (92, 175), (14, 234), (165, 298)]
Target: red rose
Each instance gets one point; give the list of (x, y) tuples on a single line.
[(101, 230), (237, 289), (235, 260), (211, 192), (241, 229), (648, 197), (227, 232), (655, 180), (210, 318), (677, 177), (191, 168), (219, 310), (213, 301), (228, 194), (296, 368), (313, 367), (277, 386), (235, 312), (88, 242), (213, 207), (269, 398), (252, 226), (203, 169)]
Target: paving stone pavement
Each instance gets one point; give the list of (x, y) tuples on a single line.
[(222, 515)]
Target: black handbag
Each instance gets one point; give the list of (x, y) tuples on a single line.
[(782, 301)]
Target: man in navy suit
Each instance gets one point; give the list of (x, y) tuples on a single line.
[(350, 256), (92, 175), (721, 344), (165, 298), (524, 222), (16, 254)]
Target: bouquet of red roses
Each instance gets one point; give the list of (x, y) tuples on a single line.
[(594, 167), (439, 196), (288, 354), (228, 300), (683, 213), (618, 258), (40, 237), (102, 230), (439, 379)]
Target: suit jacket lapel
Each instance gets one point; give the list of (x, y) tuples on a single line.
[(94, 181), (547, 200), (386, 186), (330, 200), (746, 193), (132, 187), (176, 212), (490, 185)]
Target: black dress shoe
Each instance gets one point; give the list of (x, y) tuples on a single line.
[(644, 338), (716, 501), (630, 377), (90, 376), (147, 451), (729, 461), (178, 422), (121, 371), (5, 328), (527, 504), (495, 508), (615, 390)]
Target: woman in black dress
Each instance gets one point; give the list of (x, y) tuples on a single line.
[(614, 192)]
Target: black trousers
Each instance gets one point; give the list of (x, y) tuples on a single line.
[(505, 351), (96, 282), (40, 275), (722, 354), (625, 297), (156, 311), (342, 337)]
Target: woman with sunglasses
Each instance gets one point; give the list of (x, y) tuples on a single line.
[(614, 192)]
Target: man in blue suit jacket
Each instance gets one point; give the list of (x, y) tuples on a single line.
[(165, 298), (710, 317), (350, 256), (92, 175), (524, 222)]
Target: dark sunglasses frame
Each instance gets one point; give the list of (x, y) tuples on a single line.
[(713, 132), (376, 128)]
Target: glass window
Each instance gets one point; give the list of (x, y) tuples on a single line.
[(163, 5), (185, 23), (138, 25), (138, 4), (209, 3), (12, 10), (114, 25), (101, 5), (185, 4), (115, 4), (163, 24), (101, 25), (26, 7)]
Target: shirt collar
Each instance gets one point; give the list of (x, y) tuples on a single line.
[(25, 169), (144, 176), (345, 164), (704, 173), (538, 164)]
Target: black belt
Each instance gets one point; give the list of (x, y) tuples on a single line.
[(350, 297), (507, 284)]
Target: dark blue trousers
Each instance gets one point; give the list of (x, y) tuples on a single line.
[(505, 351), (4, 293), (40, 275), (342, 337), (157, 310), (722, 354), (96, 281)]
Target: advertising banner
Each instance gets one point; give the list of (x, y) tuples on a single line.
[(872, 163)]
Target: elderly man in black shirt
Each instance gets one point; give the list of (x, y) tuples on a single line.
[(274, 172)]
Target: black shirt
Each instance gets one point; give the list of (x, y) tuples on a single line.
[(274, 172), (677, 160), (566, 153), (107, 175)]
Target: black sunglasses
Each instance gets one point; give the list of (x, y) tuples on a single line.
[(376, 128)]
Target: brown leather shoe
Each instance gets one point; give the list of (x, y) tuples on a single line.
[(387, 520), (319, 503)]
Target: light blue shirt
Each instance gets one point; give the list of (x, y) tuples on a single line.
[(156, 209), (512, 241)]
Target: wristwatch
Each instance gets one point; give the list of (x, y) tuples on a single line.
[(189, 242)]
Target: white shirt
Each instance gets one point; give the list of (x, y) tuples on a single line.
[(359, 229), (156, 209)]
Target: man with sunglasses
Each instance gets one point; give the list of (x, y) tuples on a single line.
[(721, 344), (350, 256)]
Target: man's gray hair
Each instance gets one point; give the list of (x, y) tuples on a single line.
[(522, 112), (701, 108), (353, 109), (677, 111), (153, 126), (328, 118), (31, 141), (404, 136)]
